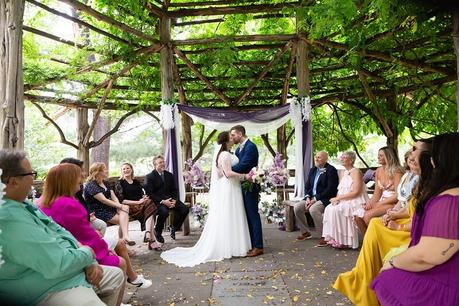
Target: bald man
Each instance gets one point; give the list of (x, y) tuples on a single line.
[(322, 185)]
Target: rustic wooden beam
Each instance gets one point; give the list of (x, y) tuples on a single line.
[(155, 10), (286, 84), (92, 144), (57, 60), (214, 20), (58, 39), (80, 22), (58, 128), (210, 3), (228, 10), (383, 57), (263, 73), (237, 48), (239, 38), (100, 107), (198, 73), (92, 66), (99, 16)]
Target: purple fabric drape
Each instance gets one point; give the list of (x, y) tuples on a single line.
[(170, 154), (228, 116)]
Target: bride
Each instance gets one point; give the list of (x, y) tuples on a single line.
[(226, 233)]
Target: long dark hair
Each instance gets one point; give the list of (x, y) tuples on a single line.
[(222, 139), (445, 175), (426, 173)]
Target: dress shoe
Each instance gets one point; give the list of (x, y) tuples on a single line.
[(322, 242), (172, 232), (255, 252), (304, 236), (159, 237)]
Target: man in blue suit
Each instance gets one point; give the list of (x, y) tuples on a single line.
[(322, 185), (247, 153)]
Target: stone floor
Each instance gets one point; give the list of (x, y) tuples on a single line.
[(290, 272)]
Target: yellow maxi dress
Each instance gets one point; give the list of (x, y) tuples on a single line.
[(378, 241)]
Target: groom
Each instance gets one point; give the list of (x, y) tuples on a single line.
[(248, 158)]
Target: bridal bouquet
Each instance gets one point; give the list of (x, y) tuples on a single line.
[(277, 173), (194, 176), (254, 177)]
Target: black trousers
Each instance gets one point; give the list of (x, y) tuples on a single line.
[(180, 210)]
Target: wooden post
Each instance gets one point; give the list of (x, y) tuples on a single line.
[(11, 78), (165, 65), (302, 68)]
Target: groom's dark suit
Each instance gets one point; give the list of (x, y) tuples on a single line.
[(248, 158)]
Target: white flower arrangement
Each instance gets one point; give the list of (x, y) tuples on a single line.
[(273, 211)]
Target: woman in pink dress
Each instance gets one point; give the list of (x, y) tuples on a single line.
[(339, 228), (59, 203), (427, 272)]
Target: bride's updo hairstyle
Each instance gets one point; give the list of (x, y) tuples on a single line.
[(222, 139)]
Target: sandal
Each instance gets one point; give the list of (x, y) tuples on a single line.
[(145, 239), (129, 242)]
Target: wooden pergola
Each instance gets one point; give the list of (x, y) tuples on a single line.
[(290, 64)]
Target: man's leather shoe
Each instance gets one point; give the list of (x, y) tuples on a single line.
[(322, 242), (255, 252), (172, 232), (304, 236), (159, 237)]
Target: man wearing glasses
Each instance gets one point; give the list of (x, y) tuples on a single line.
[(43, 263)]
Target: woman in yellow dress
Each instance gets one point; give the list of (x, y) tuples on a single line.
[(381, 236)]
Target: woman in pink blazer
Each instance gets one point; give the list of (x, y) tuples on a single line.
[(59, 203)]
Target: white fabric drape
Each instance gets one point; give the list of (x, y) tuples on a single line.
[(296, 116), (178, 132)]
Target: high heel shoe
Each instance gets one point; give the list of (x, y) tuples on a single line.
[(145, 239)]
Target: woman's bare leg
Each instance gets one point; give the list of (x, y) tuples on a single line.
[(122, 251), (122, 219)]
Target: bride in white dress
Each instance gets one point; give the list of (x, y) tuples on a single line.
[(226, 233)]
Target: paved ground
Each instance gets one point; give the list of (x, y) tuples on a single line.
[(290, 272)]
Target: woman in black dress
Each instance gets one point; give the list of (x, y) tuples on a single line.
[(130, 192), (104, 203)]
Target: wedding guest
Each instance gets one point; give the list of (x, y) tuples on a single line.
[(339, 228), (160, 186), (59, 203), (428, 269), (98, 224), (43, 263), (382, 237), (103, 202), (320, 188), (129, 191), (387, 178)]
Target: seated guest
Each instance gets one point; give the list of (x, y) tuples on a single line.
[(98, 224), (339, 228), (384, 197), (103, 202), (129, 191), (160, 186), (43, 263), (426, 273), (322, 185), (381, 238), (59, 203)]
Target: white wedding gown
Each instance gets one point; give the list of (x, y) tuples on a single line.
[(226, 233)]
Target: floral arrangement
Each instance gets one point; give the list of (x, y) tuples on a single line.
[(277, 173), (200, 211), (194, 176), (273, 211)]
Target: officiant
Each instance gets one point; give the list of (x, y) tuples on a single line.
[(161, 187)]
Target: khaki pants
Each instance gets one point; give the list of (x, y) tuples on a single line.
[(317, 213), (107, 293)]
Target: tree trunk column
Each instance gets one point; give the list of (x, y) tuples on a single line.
[(82, 130), (11, 77)]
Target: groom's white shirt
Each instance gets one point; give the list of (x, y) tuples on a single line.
[(241, 146)]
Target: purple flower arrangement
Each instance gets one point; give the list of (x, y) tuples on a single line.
[(200, 211), (277, 173), (195, 177)]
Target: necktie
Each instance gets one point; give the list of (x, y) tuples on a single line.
[(161, 174)]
